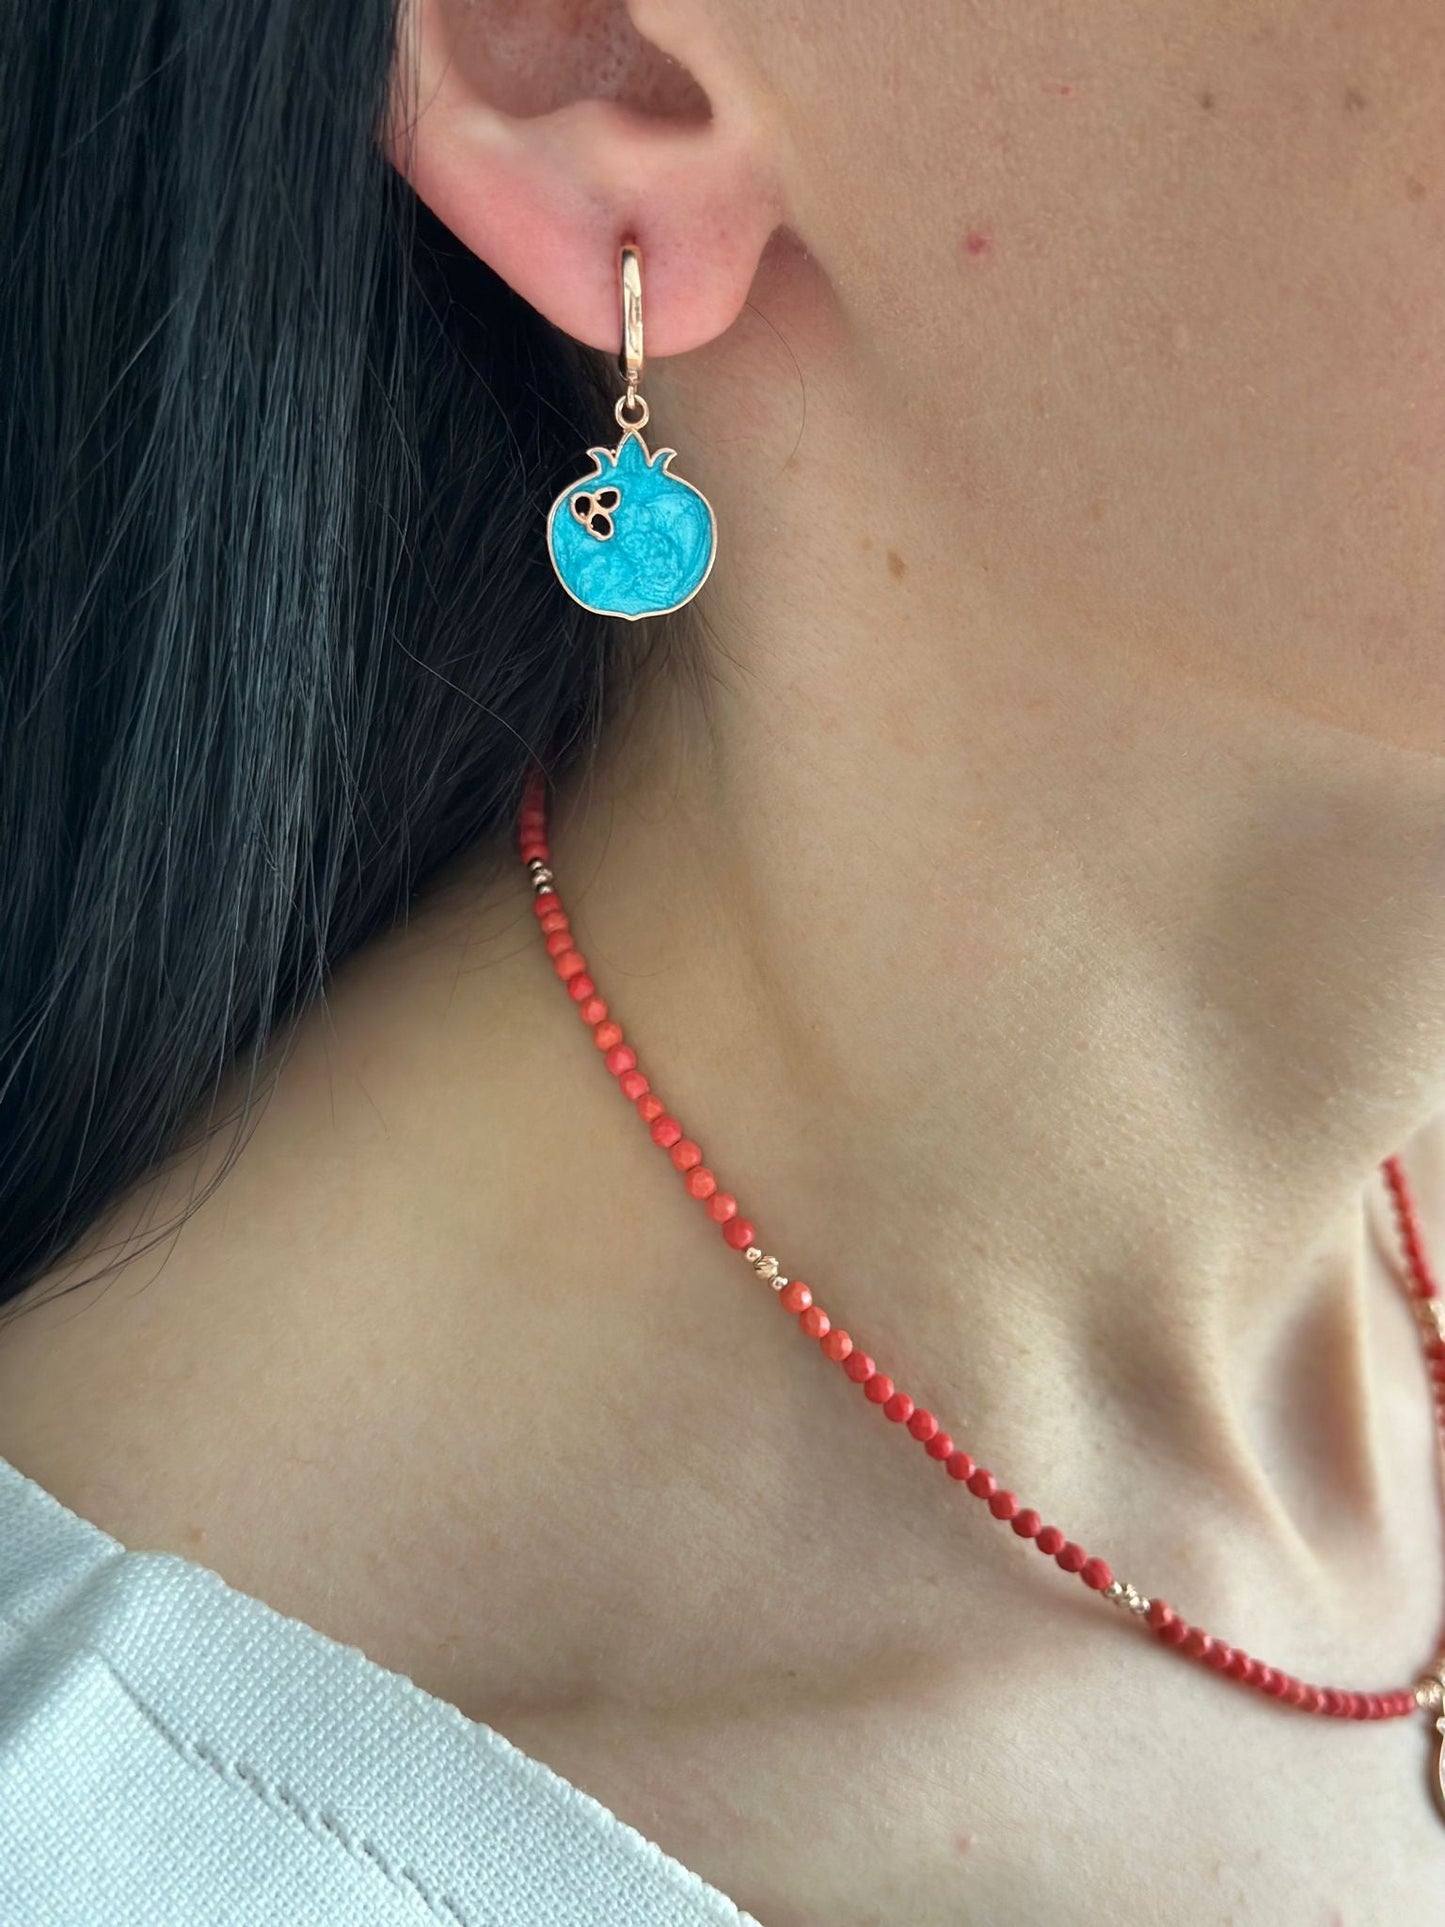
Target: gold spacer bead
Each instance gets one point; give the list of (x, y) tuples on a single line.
[(1121, 1593), (540, 872), (546, 890), (767, 1269), (1429, 1693), (753, 1253), (780, 1283)]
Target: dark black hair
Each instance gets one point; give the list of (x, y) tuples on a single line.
[(279, 631)]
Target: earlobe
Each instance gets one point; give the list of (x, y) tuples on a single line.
[(545, 198)]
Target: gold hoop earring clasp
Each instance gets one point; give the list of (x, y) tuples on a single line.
[(630, 361)]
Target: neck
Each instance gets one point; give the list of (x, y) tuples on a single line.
[(1046, 986), (1048, 998)]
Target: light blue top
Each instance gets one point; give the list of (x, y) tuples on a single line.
[(174, 1753)]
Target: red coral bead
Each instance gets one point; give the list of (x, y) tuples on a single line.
[(1097, 1573), (569, 963), (593, 1011), (922, 1424), (960, 1466), (1048, 1540), (899, 1408), (837, 1344), (815, 1321), (1026, 1523), (939, 1447), (1159, 1615), (982, 1484), (1003, 1505), (650, 1107), (700, 1182), (878, 1389), (685, 1154), (559, 942), (621, 1057), (1071, 1557), (581, 987), (738, 1232), (665, 1131), (633, 1084), (795, 1296), (858, 1366), (721, 1206), (606, 1034)]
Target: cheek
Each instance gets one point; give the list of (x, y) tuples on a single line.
[(1169, 304)]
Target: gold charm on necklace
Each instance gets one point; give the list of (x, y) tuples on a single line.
[(1430, 1693)]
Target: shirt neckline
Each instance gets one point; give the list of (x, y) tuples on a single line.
[(75, 1548)]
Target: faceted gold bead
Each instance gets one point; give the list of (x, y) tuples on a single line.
[(1121, 1593)]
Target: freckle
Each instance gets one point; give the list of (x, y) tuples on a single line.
[(963, 1842), (978, 241), (866, 543), (196, 1535), (1206, 99), (1065, 89), (896, 564), (1414, 189), (1354, 99)]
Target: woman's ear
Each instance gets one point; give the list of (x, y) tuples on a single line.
[(543, 133)]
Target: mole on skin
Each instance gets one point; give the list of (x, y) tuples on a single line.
[(896, 564)]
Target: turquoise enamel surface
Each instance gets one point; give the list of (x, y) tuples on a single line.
[(660, 533)]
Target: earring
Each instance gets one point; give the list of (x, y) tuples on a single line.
[(631, 539)]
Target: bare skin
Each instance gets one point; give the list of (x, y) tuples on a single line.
[(1042, 929), (449, 1369)]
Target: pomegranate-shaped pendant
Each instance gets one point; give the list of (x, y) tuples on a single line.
[(631, 539)]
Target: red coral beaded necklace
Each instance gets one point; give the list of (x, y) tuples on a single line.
[(1427, 1694)]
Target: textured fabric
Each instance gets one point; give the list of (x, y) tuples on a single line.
[(174, 1752)]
